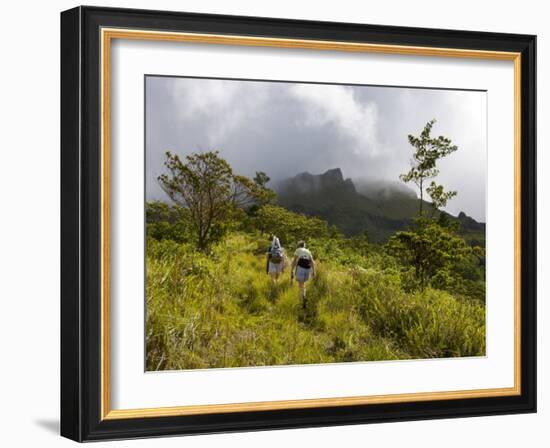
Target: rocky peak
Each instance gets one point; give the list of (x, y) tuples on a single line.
[(334, 175), (307, 182)]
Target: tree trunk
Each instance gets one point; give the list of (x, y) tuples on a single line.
[(421, 199), (201, 241)]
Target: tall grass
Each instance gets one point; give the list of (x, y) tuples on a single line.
[(222, 310)]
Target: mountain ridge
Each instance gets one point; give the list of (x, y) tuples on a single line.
[(379, 208)]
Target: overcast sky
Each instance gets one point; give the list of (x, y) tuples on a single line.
[(287, 128)]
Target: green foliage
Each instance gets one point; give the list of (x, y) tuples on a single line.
[(429, 324), (206, 186), (203, 185), (221, 310), (291, 227), (430, 248), (168, 222), (428, 150), (439, 196)]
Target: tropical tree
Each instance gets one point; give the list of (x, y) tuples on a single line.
[(205, 185), (430, 248), (428, 150)]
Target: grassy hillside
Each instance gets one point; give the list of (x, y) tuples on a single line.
[(221, 310)]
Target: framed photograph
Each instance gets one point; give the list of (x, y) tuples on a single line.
[(273, 223)]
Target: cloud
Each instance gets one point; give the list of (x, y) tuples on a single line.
[(223, 106), (338, 106), (286, 128)]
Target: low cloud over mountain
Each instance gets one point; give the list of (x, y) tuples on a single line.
[(379, 208)]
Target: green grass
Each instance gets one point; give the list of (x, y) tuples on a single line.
[(222, 310)]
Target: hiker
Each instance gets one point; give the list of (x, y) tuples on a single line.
[(303, 267), (275, 263)]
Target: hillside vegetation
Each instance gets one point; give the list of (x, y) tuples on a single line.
[(220, 309), (381, 209), (382, 287)]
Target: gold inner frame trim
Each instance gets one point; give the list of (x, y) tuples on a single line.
[(107, 35)]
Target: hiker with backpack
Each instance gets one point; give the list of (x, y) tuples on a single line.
[(275, 264), (303, 267)]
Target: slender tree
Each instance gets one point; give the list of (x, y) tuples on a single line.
[(428, 150)]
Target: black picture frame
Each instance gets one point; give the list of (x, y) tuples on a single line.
[(81, 224)]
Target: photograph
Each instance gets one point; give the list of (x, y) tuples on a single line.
[(274, 223), (292, 223)]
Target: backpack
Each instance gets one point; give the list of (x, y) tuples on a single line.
[(304, 262), (276, 255)]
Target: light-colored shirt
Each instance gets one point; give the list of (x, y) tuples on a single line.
[(302, 251)]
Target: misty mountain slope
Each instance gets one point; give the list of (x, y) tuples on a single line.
[(379, 208), (336, 200), (393, 199)]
